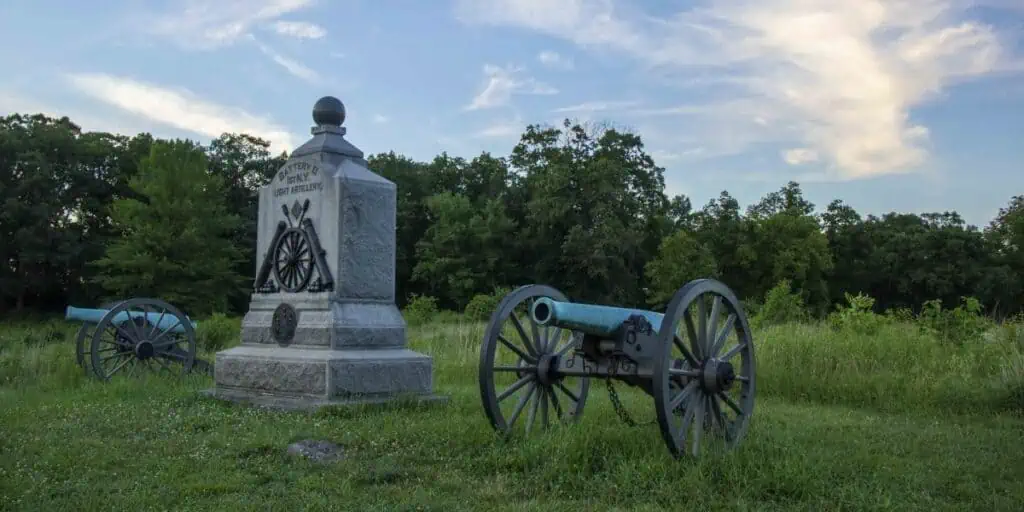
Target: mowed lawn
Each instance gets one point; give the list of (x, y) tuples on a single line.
[(892, 421)]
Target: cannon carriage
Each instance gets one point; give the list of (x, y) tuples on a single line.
[(696, 360), (133, 336)]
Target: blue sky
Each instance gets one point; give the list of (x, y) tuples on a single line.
[(906, 105)]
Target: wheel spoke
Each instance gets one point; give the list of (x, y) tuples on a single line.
[(514, 387), (683, 395), (572, 396), (682, 372), (544, 408), (698, 426), (729, 401), (702, 331), (522, 334), (691, 333), (522, 355), (127, 335), (678, 342), (732, 352), (119, 366), (156, 326), (716, 310), (723, 335), (165, 333), (533, 413), (720, 418), (514, 368), (523, 400), (164, 364), (555, 404)]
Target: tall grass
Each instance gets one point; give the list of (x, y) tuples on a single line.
[(897, 366)]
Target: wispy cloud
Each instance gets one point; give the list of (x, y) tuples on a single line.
[(380, 118), (837, 79), (501, 83), (554, 60), (202, 24), (179, 108), (299, 29), (596, 106), (293, 67)]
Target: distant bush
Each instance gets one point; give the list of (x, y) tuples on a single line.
[(856, 316), (958, 325), (481, 306), (216, 332), (900, 314), (781, 305), (420, 309)]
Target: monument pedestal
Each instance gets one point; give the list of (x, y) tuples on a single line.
[(322, 326)]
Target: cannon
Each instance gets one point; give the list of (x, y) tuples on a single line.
[(696, 360), (135, 335)]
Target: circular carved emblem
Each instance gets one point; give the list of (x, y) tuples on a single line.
[(283, 324)]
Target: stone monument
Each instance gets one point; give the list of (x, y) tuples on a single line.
[(322, 326)]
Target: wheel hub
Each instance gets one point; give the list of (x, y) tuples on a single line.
[(717, 376), (547, 366), (144, 350)]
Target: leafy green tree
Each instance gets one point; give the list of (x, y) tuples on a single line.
[(176, 244), (681, 258), (243, 164), (38, 162), (462, 252), (594, 210)]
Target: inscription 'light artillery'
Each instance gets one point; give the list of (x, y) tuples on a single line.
[(685, 358)]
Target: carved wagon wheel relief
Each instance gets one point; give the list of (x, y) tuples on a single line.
[(293, 261), (295, 256)]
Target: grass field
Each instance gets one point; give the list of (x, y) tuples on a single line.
[(890, 421)]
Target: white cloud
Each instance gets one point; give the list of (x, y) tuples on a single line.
[(293, 67), (203, 24), (299, 29), (836, 78), (502, 83), (380, 118), (798, 156), (179, 108), (554, 60)]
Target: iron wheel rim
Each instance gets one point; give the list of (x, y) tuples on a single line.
[(567, 403)]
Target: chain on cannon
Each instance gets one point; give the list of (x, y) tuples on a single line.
[(696, 360)]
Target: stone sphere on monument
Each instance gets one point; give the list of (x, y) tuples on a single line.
[(329, 111)]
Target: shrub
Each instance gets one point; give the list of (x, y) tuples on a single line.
[(857, 316), (481, 306), (216, 332), (956, 325), (781, 305), (902, 315), (420, 309)]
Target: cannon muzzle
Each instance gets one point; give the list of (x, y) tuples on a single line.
[(95, 316), (592, 319)]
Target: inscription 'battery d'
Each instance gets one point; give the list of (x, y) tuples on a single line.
[(297, 178)]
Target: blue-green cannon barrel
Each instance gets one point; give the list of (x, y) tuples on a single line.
[(94, 316), (592, 319)]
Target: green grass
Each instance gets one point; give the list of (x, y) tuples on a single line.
[(893, 421)]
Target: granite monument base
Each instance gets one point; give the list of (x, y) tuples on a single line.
[(303, 378), (341, 352)]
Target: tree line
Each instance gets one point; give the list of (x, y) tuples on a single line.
[(89, 216)]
